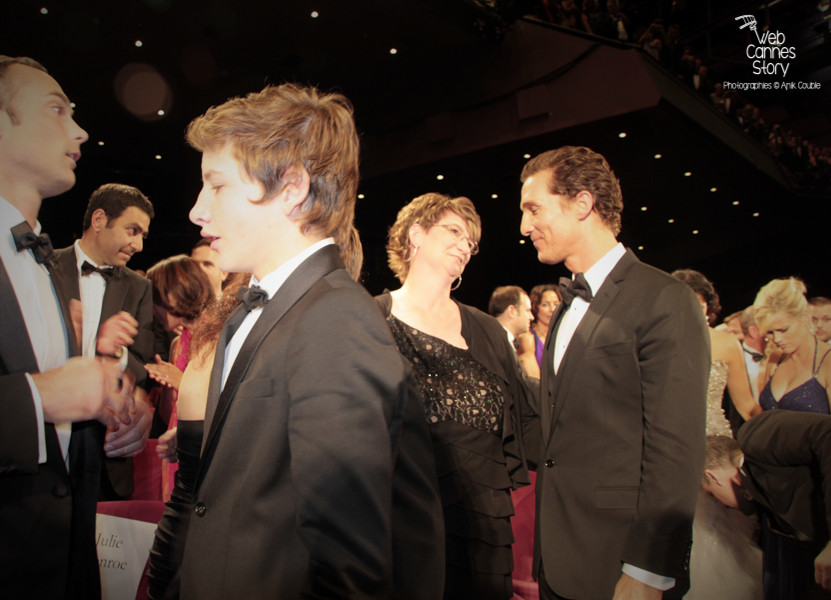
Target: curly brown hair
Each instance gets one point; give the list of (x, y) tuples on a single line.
[(426, 210), (575, 169), (703, 287), (205, 332)]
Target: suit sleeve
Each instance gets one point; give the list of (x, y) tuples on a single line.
[(343, 378), (141, 351), (18, 426), (674, 361), (790, 439)]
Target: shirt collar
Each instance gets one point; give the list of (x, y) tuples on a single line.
[(9, 217), (597, 273), (81, 256), (274, 280)]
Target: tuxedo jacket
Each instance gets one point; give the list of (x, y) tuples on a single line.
[(132, 293), (47, 515), (787, 470), (623, 434), (317, 478)]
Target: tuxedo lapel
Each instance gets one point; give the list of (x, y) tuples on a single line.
[(17, 355), (115, 295), (293, 289), (601, 304), (63, 269), (547, 366)]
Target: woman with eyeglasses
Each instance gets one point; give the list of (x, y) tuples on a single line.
[(472, 388)]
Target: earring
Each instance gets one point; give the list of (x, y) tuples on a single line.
[(458, 283)]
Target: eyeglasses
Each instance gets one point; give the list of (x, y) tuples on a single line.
[(459, 235)]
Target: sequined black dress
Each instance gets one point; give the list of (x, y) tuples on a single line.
[(472, 417)]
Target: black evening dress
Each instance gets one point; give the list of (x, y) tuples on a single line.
[(465, 406), (169, 543)]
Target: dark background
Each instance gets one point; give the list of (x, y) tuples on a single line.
[(472, 89)]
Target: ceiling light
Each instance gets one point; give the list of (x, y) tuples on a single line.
[(44, 11), (687, 173), (640, 247), (160, 112), (670, 220), (101, 143), (643, 208), (622, 134), (695, 231), (360, 196), (72, 104), (755, 214), (521, 241), (494, 196), (158, 157), (657, 156), (713, 189), (439, 177), (315, 14), (393, 51), (139, 44), (735, 202), (526, 156)]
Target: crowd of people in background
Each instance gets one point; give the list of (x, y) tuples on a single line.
[(662, 37)]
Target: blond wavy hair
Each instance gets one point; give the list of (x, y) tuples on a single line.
[(780, 296), (426, 210)]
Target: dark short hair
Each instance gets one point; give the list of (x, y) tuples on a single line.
[(819, 301), (701, 285), (113, 199), (503, 297), (574, 169)]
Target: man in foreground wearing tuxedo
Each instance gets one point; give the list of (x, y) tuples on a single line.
[(622, 396), (781, 466), (50, 442), (94, 271), (317, 477)]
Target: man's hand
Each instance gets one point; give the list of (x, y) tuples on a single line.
[(628, 588), (117, 331), (166, 448), (84, 389), (822, 568), (129, 439)]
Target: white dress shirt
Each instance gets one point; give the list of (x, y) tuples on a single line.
[(41, 311), (92, 288), (270, 283)]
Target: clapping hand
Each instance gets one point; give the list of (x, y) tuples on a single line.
[(165, 373)]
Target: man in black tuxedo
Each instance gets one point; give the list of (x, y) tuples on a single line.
[(780, 465), (51, 405), (317, 472), (94, 272), (622, 396)]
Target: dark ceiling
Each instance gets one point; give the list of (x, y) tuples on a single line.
[(457, 67)]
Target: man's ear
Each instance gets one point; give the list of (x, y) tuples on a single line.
[(295, 190), (583, 204), (99, 220), (710, 480)]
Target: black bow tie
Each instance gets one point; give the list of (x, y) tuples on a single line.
[(106, 272), (570, 288), (252, 297), (25, 238)]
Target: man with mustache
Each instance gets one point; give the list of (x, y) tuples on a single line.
[(116, 299)]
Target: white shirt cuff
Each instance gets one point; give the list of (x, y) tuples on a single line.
[(39, 416), (651, 579)]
